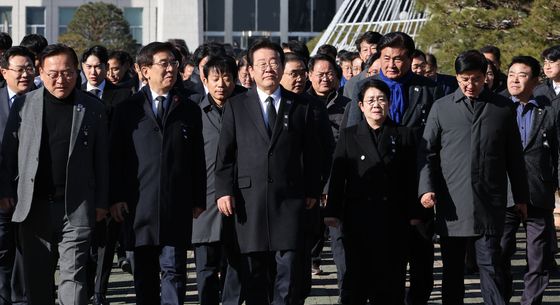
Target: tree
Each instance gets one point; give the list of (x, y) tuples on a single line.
[(98, 23), (516, 27)]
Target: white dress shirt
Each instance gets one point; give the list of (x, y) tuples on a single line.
[(101, 87), (276, 95), (156, 102)]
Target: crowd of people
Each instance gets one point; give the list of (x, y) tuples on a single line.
[(254, 158)]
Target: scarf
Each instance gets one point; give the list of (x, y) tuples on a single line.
[(398, 100)]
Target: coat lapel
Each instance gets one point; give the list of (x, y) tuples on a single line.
[(414, 95), (212, 116), (4, 105), (363, 137), (253, 105), (282, 119), (387, 142), (77, 118), (538, 117), (147, 106)]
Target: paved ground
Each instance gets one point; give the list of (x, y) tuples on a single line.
[(324, 289)]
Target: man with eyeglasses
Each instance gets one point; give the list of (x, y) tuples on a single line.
[(17, 64), (158, 176), (94, 66), (267, 173), (55, 164), (550, 89), (471, 145), (324, 89)]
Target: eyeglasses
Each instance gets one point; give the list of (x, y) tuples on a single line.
[(297, 73), (55, 75), (328, 75), (166, 64), (21, 70), (474, 81), (550, 62), (380, 100), (262, 65)]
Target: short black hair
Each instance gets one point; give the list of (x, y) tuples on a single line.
[(57, 49), (348, 56), (529, 61), (397, 40), (5, 41), (313, 60), (264, 44), (552, 53), (299, 48), (210, 49), (374, 83), (328, 50), (289, 57), (492, 50), (16, 51), (98, 51), (179, 43), (418, 53), (121, 56), (431, 60), (223, 64), (35, 43), (146, 55), (471, 60), (369, 37)]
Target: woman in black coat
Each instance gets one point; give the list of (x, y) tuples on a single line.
[(372, 190)]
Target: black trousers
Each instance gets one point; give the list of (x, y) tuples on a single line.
[(536, 278), (170, 262), (311, 231), (488, 256), (106, 245), (421, 263), (340, 260), (260, 278), (12, 285)]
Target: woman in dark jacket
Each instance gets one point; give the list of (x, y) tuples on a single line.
[(372, 190)]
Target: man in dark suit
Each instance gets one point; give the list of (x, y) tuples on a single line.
[(267, 173), (94, 65), (55, 147), (18, 69), (366, 46), (447, 83), (550, 89), (158, 176), (200, 57), (213, 235), (538, 127), (412, 96), (470, 144)]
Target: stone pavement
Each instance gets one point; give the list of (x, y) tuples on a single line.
[(324, 291)]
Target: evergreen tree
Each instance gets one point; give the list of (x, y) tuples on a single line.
[(516, 27), (98, 23)]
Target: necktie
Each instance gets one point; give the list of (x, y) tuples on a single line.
[(270, 113), (95, 92), (160, 109)]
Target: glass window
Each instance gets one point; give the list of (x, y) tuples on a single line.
[(214, 17), (134, 17), (6, 19), (244, 15), (65, 15), (269, 15), (35, 20), (299, 16)]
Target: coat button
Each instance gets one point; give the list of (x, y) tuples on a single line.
[(385, 198), (270, 154), (270, 180), (156, 129)]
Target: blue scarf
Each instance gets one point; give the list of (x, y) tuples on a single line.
[(398, 100)]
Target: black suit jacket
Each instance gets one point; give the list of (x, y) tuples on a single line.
[(545, 92), (447, 83), (269, 176), (158, 170), (112, 96), (541, 155)]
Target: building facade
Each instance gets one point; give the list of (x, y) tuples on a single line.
[(150, 20)]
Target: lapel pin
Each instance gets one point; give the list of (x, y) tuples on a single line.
[(416, 89), (80, 107), (362, 157), (288, 102)]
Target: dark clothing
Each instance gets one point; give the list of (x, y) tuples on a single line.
[(112, 95), (466, 156), (446, 83), (539, 257), (269, 176), (366, 180), (260, 265), (55, 141), (160, 173), (525, 119), (335, 104), (488, 257), (545, 91)]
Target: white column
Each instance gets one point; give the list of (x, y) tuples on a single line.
[(284, 20), (180, 19), (228, 21)]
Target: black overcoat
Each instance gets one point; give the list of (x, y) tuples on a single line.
[(269, 176), (158, 170)]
